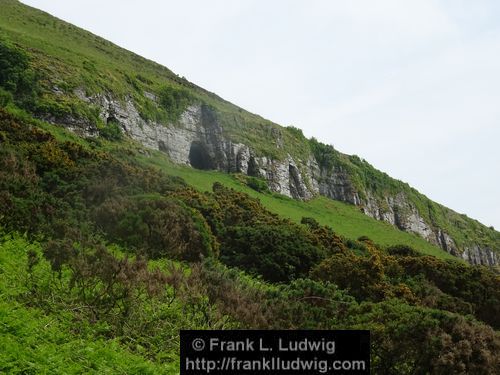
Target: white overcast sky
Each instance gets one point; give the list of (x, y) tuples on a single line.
[(411, 86)]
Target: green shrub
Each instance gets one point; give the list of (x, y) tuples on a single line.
[(109, 287), (408, 340), (156, 226), (277, 252), (257, 184), (174, 100), (362, 277), (112, 131), (324, 236), (16, 75), (5, 97), (325, 155), (403, 250), (296, 132), (13, 65)]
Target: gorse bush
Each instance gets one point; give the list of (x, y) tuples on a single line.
[(325, 237), (51, 186), (157, 227), (277, 252), (258, 184), (254, 239), (108, 287), (415, 340), (402, 250)]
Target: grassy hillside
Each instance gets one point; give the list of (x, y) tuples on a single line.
[(49, 37), (345, 219), (70, 58), (366, 178), (47, 60)]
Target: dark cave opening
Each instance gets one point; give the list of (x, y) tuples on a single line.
[(199, 157)]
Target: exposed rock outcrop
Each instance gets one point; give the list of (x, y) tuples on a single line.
[(477, 255), (197, 139), (336, 184)]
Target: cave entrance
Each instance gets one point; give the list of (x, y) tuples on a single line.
[(199, 157)]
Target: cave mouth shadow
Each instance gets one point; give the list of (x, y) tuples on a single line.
[(199, 157)]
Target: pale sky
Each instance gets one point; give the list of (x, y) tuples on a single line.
[(411, 86)]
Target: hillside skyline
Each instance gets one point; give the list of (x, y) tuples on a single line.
[(437, 79)]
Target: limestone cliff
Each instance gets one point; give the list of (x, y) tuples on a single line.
[(199, 140)]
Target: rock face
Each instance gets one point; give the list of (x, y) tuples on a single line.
[(478, 255), (198, 140), (336, 184)]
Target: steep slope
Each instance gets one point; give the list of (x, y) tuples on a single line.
[(68, 76), (83, 297)]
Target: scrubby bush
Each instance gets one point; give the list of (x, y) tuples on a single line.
[(309, 304), (257, 184), (362, 277), (278, 252), (16, 76), (5, 97), (112, 131), (108, 287), (478, 286), (325, 155), (296, 132), (174, 101), (403, 250), (324, 236), (415, 340), (156, 226)]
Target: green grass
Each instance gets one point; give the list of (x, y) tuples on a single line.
[(345, 219), (34, 342), (365, 178)]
